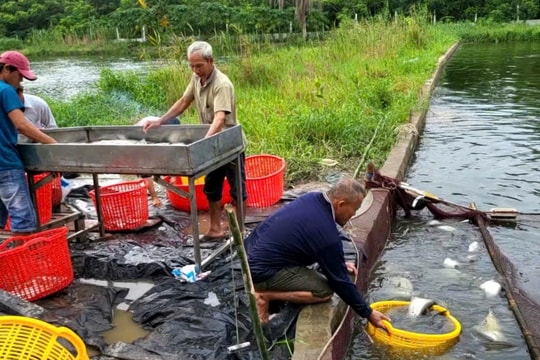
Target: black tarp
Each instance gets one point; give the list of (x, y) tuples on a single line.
[(180, 322)]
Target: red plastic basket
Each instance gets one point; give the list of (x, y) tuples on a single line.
[(182, 203), (124, 205), (264, 180), (44, 199), (56, 191), (44, 202), (34, 266)]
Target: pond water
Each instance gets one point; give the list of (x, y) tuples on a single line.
[(481, 144), (63, 78)]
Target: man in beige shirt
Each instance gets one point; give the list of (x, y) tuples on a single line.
[(215, 100)]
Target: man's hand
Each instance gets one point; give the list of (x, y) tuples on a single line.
[(376, 319), (151, 124), (351, 268)]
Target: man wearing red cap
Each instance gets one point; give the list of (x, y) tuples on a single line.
[(15, 198)]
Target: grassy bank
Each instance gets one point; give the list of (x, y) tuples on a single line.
[(489, 32), (308, 103), (304, 103), (44, 43)]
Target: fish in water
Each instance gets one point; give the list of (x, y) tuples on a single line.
[(440, 225), (490, 328), (429, 322), (450, 263), (491, 288), (447, 228), (418, 306), (473, 246), (396, 287)]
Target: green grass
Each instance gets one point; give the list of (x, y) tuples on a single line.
[(303, 103), (490, 32), (50, 42), (341, 99)]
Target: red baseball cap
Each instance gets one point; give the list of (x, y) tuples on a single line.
[(18, 60)]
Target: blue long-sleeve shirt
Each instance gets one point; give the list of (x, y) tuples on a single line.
[(302, 233)]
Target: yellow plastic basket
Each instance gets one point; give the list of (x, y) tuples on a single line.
[(406, 339), (23, 338)]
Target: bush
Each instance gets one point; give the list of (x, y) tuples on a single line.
[(10, 44)]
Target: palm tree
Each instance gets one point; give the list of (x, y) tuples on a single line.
[(302, 7), (301, 10)]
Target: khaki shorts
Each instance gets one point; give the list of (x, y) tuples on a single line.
[(297, 278)]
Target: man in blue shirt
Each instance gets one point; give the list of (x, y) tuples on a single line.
[(15, 198), (302, 233)]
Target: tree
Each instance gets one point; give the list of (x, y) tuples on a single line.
[(104, 7), (528, 9), (301, 9)]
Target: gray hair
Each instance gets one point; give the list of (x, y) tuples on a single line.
[(200, 47), (347, 189)]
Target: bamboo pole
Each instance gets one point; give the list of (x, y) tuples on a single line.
[(248, 283)]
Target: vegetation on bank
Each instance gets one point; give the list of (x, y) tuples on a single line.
[(163, 20), (343, 98), (304, 103)]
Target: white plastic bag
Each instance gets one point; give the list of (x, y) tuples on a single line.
[(66, 187), (189, 273)]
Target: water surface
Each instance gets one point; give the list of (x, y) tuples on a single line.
[(481, 144), (64, 78)]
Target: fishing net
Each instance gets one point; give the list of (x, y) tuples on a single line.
[(409, 198), (525, 308)]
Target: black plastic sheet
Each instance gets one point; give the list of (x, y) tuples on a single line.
[(197, 320)]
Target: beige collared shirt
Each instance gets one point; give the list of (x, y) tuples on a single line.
[(217, 94)]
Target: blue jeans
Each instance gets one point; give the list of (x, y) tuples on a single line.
[(15, 200)]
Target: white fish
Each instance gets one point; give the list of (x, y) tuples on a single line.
[(472, 258), (447, 228), (418, 305), (434, 223), (490, 328), (473, 246), (491, 288), (450, 263), (396, 287)]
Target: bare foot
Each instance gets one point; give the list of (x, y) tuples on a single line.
[(262, 308), (156, 202), (209, 237), (215, 234)]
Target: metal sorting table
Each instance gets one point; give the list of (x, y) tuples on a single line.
[(176, 150)]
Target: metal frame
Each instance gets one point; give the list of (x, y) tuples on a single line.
[(189, 154), (74, 216), (192, 196)]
